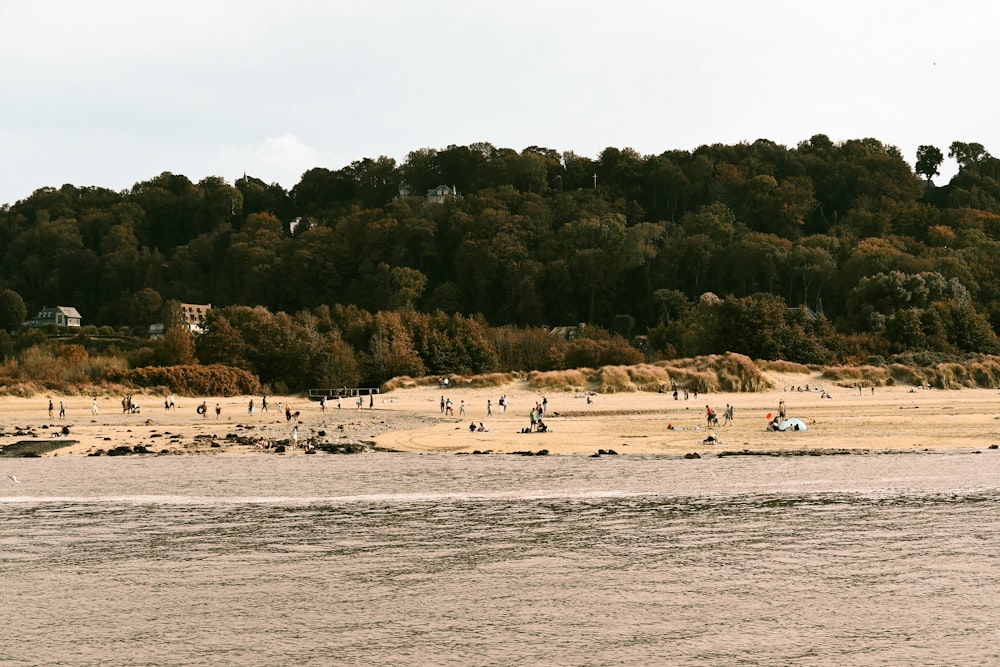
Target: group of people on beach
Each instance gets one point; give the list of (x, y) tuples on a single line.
[(251, 408), (62, 409), (713, 419), (676, 391), (536, 424)]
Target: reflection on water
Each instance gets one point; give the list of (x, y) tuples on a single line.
[(422, 559)]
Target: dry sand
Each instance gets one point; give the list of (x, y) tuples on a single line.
[(890, 419)]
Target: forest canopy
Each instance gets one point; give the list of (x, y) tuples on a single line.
[(819, 253)]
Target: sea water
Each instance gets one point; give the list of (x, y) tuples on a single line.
[(409, 559)]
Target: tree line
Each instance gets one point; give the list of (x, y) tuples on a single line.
[(822, 252)]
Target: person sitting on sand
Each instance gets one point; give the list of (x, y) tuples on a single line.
[(472, 427), (482, 428), (541, 427)]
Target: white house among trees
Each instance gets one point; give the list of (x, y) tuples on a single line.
[(62, 316)]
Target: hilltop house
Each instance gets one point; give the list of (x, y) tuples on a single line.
[(194, 315), (440, 193), (60, 316), (194, 318)]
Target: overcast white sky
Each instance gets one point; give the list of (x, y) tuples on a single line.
[(109, 93)]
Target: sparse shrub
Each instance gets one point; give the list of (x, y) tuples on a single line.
[(614, 379), (571, 380), (648, 377), (784, 367)]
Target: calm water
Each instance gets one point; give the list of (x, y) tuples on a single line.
[(392, 559)]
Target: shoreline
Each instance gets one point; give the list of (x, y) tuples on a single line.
[(890, 419)]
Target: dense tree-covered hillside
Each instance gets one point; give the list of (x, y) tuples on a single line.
[(698, 251)]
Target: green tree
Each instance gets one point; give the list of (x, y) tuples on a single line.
[(390, 351), (929, 159), (176, 348), (12, 311), (967, 154)]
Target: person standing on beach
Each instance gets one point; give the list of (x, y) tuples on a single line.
[(461, 408), (442, 403), (263, 403), (218, 410), (781, 409), (489, 408), (50, 408), (250, 407), (62, 410), (93, 406), (340, 400)]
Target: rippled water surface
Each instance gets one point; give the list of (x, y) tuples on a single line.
[(390, 559)]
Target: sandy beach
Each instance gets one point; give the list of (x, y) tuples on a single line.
[(895, 418)]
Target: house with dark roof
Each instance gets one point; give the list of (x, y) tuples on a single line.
[(440, 193), (60, 316)]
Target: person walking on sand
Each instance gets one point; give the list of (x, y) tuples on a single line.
[(51, 407), (461, 408), (93, 406), (489, 408), (218, 410), (340, 400), (263, 403), (250, 407), (371, 401), (62, 410)]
